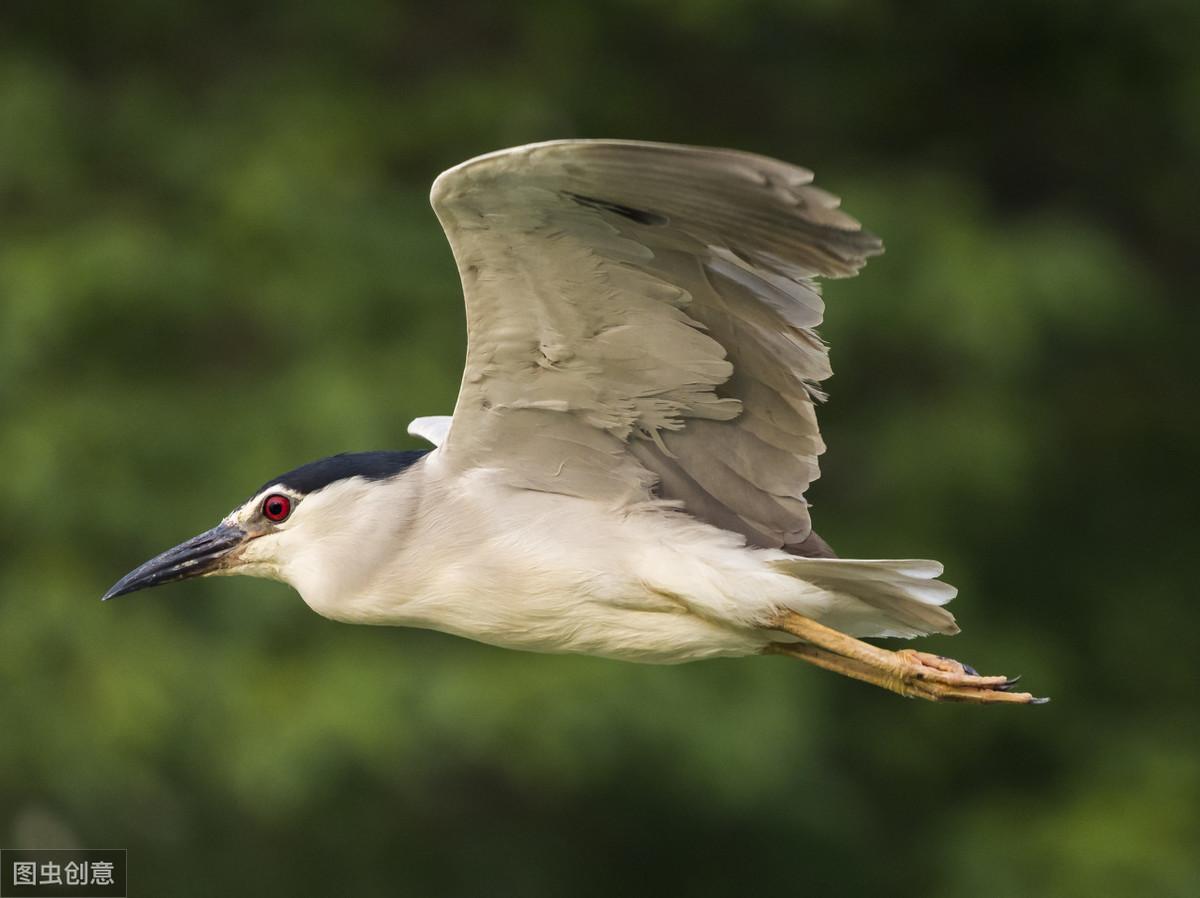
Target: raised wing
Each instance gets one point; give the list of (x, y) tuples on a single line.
[(640, 324)]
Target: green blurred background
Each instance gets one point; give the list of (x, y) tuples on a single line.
[(217, 261)]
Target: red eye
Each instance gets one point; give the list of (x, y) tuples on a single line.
[(276, 507)]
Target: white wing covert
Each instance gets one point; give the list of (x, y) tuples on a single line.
[(640, 324), (432, 428)]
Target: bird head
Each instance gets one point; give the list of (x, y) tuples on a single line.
[(286, 528)]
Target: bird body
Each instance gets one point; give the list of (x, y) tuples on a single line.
[(476, 557), (624, 472), (547, 573), (543, 572)]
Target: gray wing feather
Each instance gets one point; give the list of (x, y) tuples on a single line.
[(641, 322)]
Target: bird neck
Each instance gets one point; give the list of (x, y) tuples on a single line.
[(359, 535)]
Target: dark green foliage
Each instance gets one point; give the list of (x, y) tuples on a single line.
[(217, 262)]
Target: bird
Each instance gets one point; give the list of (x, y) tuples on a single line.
[(625, 468)]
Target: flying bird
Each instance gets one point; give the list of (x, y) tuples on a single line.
[(624, 471)]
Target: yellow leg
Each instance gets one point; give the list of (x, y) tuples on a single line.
[(908, 672)]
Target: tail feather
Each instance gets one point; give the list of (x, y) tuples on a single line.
[(880, 597)]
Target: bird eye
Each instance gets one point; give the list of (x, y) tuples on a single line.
[(276, 507)]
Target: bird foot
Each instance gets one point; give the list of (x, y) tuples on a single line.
[(941, 679), (908, 672)]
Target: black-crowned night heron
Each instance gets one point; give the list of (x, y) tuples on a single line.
[(624, 472)]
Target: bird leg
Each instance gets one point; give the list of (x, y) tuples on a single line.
[(908, 672)]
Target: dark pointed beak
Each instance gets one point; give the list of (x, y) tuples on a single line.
[(203, 554)]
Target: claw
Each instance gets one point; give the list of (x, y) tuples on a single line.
[(1009, 683), (967, 668), (1044, 700)]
